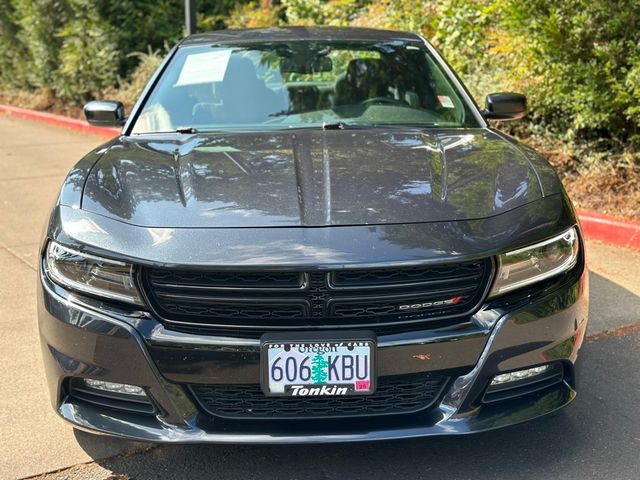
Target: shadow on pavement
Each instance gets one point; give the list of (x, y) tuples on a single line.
[(611, 306), (100, 447), (598, 436)]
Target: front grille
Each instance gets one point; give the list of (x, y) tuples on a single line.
[(395, 395), (356, 298)]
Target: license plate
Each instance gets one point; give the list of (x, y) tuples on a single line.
[(318, 365)]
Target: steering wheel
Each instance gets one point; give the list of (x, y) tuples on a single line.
[(382, 101)]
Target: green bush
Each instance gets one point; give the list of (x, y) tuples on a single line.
[(129, 89), (75, 49), (37, 23), (141, 24), (88, 57), (11, 72), (322, 12), (579, 61)]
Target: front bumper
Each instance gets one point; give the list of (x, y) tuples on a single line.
[(85, 338)]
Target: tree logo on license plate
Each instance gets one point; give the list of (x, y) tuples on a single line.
[(319, 369)]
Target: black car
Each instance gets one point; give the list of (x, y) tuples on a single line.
[(309, 235)]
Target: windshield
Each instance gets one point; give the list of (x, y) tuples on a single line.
[(298, 84)]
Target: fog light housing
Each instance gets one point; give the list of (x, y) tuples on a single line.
[(113, 387), (109, 397), (521, 383), (518, 375)]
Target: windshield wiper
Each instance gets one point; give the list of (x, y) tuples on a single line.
[(345, 125), (186, 130), (333, 126), (409, 124)]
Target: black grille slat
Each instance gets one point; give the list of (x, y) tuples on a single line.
[(395, 395), (359, 298), (236, 311), (415, 276), (226, 281)]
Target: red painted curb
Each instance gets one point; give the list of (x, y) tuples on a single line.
[(610, 230), (59, 121)]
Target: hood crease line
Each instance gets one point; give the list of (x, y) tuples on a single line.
[(176, 170)]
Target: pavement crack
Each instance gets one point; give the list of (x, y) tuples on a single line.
[(617, 332), (45, 145), (34, 177), (145, 448), (19, 257)]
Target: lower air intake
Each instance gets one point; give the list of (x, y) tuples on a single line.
[(394, 395)]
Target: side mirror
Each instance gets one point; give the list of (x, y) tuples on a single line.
[(505, 106), (105, 113)]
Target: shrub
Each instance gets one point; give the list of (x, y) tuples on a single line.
[(12, 73), (36, 26), (77, 48), (253, 15), (129, 90), (580, 63), (89, 56), (322, 12), (141, 24)]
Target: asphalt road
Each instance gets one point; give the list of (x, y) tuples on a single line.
[(596, 437)]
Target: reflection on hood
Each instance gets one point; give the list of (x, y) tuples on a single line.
[(310, 178)]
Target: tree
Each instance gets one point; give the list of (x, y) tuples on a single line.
[(319, 369)]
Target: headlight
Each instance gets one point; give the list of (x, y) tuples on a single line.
[(94, 275), (537, 262)]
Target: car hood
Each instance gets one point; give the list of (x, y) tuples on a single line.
[(310, 178)]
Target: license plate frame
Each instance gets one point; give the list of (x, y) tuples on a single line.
[(358, 339)]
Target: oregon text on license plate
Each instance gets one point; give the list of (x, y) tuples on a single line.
[(318, 368)]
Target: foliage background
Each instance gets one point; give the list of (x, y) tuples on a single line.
[(578, 62)]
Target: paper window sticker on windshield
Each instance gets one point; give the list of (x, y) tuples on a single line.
[(445, 101), (205, 67)]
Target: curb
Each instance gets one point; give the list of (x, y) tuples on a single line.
[(59, 120), (610, 230), (595, 225)]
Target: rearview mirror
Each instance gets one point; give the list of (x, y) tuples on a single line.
[(306, 65), (105, 113), (505, 106)]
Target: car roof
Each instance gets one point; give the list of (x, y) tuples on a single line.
[(299, 33)]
